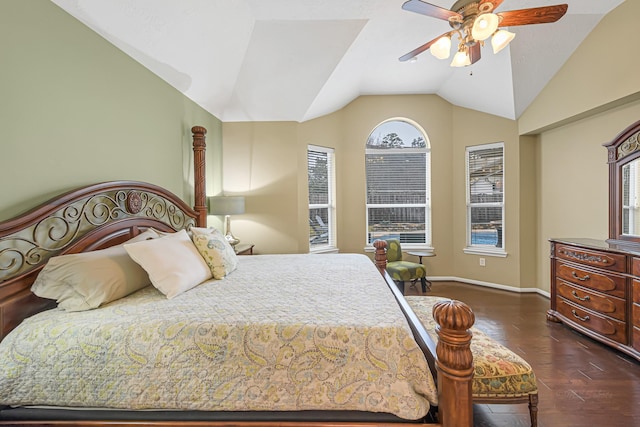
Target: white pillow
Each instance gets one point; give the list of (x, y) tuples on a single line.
[(216, 251), (90, 279), (172, 262)]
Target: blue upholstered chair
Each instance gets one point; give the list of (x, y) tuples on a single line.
[(403, 271)]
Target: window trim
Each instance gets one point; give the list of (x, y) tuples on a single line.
[(332, 245), (484, 249), (428, 245)]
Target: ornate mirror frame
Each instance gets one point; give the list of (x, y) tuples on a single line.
[(623, 149)]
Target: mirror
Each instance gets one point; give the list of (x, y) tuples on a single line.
[(624, 186), (631, 198)]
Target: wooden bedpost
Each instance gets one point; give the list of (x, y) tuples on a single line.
[(199, 177), (381, 255), (454, 363)]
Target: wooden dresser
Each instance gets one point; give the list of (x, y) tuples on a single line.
[(595, 289)]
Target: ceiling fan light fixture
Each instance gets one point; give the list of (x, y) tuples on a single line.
[(485, 25), (441, 49), (501, 39), (461, 59)]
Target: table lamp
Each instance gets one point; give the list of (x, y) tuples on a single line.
[(227, 206)]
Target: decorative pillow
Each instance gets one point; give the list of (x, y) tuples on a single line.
[(88, 280), (173, 263), (216, 251)]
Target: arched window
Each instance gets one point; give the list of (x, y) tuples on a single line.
[(398, 170)]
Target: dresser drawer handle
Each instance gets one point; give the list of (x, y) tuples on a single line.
[(575, 294), (584, 319), (582, 279)]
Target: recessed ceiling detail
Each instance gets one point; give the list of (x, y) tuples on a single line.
[(295, 60)]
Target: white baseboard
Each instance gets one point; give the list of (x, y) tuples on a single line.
[(489, 285)]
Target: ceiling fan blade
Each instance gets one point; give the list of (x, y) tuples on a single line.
[(429, 9), (474, 52), (417, 51), (495, 3), (536, 15)]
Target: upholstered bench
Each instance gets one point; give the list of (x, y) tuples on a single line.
[(500, 375)]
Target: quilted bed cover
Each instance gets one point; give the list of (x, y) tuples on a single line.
[(281, 333)]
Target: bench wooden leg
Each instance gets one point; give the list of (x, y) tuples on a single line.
[(533, 409)]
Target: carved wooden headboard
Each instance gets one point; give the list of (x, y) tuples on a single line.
[(85, 219)]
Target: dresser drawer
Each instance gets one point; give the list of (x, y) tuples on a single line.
[(635, 267), (636, 291), (607, 305), (602, 282), (604, 326), (609, 261), (636, 338)]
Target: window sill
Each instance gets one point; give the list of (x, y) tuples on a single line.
[(488, 251), (324, 250), (406, 248)]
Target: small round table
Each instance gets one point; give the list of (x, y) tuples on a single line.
[(420, 255)]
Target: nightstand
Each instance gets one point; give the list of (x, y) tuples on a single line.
[(244, 249)]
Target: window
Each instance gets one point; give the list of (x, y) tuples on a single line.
[(485, 199), (398, 173), (321, 173)]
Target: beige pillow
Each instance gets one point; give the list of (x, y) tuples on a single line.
[(90, 279), (216, 251), (172, 262)]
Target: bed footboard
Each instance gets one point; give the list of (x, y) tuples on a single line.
[(450, 358)]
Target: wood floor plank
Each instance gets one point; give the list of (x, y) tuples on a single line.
[(581, 382)]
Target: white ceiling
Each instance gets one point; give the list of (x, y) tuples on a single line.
[(295, 60)]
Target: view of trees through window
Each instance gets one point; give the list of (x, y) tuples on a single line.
[(398, 184)]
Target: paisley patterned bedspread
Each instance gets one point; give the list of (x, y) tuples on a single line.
[(281, 333)]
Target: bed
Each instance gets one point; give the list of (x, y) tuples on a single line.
[(268, 342)]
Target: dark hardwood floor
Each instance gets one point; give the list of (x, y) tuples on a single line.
[(581, 382)]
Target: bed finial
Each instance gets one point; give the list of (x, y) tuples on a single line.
[(381, 255), (454, 362), (199, 177)]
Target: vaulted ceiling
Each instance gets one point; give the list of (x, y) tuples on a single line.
[(295, 60)]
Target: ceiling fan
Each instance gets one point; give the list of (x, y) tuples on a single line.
[(474, 21)]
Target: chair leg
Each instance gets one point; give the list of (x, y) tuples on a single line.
[(533, 409), (423, 281)]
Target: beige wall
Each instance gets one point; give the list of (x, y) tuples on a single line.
[(262, 162), (473, 128), (528, 214), (361, 117), (269, 159), (75, 110), (590, 100), (573, 180)]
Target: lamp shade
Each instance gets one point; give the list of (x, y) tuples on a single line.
[(501, 39), (461, 59), (485, 25), (441, 49), (226, 205)]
